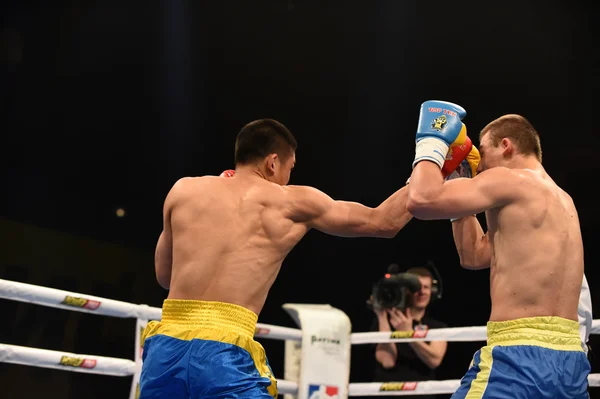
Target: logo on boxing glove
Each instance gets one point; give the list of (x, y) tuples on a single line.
[(439, 123)]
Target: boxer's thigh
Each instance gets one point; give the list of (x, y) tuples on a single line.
[(525, 372), (226, 370), (475, 379), (164, 369)]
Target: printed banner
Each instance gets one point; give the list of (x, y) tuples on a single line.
[(325, 351), (291, 365)]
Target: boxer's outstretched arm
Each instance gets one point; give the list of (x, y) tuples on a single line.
[(430, 198), (472, 244), (344, 218), (392, 213)]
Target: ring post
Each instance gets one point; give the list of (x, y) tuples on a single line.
[(291, 365), (140, 325), (325, 351)]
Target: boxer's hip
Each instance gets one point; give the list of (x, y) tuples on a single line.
[(189, 319), (546, 332), (526, 358), (209, 348)]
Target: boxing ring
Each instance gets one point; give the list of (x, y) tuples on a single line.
[(317, 356)]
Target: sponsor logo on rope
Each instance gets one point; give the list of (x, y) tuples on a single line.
[(77, 362), (261, 331), (398, 386), (323, 392), (420, 331), (80, 302)]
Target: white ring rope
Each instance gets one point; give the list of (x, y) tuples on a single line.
[(66, 361), (79, 302), (420, 387), (456, 334), (51, 297)]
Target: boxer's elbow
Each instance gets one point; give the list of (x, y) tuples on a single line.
[(386, 232), (471, 262), (474, 265), (465, 262), (164, 280), (420, 206), (163, 272), (473, 258)]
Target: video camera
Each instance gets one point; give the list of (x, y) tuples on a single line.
[(393, 290)]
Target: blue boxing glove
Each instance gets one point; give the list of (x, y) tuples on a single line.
[(440, 126)]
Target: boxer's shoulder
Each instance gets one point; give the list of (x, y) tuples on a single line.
[(507, 179), (186, 183), (186, 186), (537, 183), (300, 193)]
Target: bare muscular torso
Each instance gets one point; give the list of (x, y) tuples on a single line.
[(230, 237), (537, 253)]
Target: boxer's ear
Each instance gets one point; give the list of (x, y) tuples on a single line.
[(507, 147), (272, 162)]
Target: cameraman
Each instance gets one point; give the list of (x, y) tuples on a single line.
[(416, 360)]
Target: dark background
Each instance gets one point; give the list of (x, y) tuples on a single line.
[(106, 104)]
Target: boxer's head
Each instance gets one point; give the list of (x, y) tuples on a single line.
[(507, 137), (421, 298), (268, 145)]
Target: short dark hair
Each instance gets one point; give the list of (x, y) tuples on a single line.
[(262, 137), (420, 271), (519, 130)]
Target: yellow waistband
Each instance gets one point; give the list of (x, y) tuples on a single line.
[(547, 331), (210, 314)]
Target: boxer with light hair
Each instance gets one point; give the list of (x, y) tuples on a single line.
[(533, 246)]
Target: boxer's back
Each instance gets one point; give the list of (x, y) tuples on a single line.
[(230, 237), (537, 262)]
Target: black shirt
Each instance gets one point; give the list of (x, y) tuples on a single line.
[(408, 366)]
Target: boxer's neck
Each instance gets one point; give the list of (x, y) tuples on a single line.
[(524, 162), (250, 170)]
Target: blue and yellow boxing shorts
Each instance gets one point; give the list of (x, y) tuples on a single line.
[(206, 350), (529, 358)]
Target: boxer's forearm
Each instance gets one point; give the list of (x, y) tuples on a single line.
[(471, 244), (426, 182), (425, 189), (431, 354), (391, 216)]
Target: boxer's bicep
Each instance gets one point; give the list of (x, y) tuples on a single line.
[(319, 211)]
